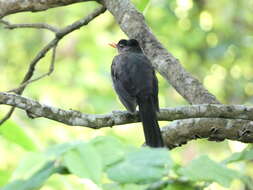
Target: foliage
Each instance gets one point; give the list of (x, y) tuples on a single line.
[(125, 166)]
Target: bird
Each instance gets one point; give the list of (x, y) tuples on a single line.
[(136, 84)]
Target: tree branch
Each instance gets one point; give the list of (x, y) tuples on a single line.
[(51, 69), (179, 132), (10, 26), (133, 24), (14, 6), (216, 122), (53, 43)]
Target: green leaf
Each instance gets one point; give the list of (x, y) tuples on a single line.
[(33, 161), (4, 177), (15, 185), (35, 181), (16, 134), (59, 149), (110, 186), (141, 5), (29, 165), (143, 166), (205, 169), (84, 161), (116, 186), (178, 186), (110, 149), (239, 156), (247, 180)]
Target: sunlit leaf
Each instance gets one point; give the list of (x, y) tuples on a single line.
[(18, 135), (29, 165), (36, 180), (116, 186), (205, 169), (4, 177), (178, 186), (142, 5), (85, 162), (110, 149), (239, 156), (143, 166), (247, 180), (59, 149)]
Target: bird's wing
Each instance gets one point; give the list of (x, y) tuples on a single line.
[(122, 84)]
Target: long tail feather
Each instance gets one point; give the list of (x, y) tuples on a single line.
[(148, 116)]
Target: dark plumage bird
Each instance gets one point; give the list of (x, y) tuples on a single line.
[(135, 82)]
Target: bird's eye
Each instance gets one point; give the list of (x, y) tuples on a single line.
[(121, 45)]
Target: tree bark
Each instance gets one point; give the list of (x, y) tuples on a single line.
[(215, 122), (8, 7), (133, 24), (179, 132)]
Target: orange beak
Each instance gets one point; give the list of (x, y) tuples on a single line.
[(113, 45)]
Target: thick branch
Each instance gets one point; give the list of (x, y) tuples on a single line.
[(215, 129), (75, 118), (236, 126), (133, 24), (9, 7)]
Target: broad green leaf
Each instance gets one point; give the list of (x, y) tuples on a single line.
[(110, 149), (33, 161), (143, 166), (110, 186), (247, 180), (30, 164), (240, 156), (15, 185), (84, 161), (59, 149), (141, 5), (205, 169), (116, 186), (4, 177), (178, 186), (16, 134), (35, 181)]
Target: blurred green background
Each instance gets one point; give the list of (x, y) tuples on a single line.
[(212, 39)]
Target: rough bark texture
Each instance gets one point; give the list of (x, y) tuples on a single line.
[(133, 24), (236, 127), (215, 129), (13, 6)]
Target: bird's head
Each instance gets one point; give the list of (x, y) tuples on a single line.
[(123, 46)]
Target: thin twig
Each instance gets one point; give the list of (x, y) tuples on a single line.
[(7, 116), (11, 26), (29, 75), (51, 69), (58, 36)]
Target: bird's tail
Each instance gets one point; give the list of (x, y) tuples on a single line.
[(148, 116)]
